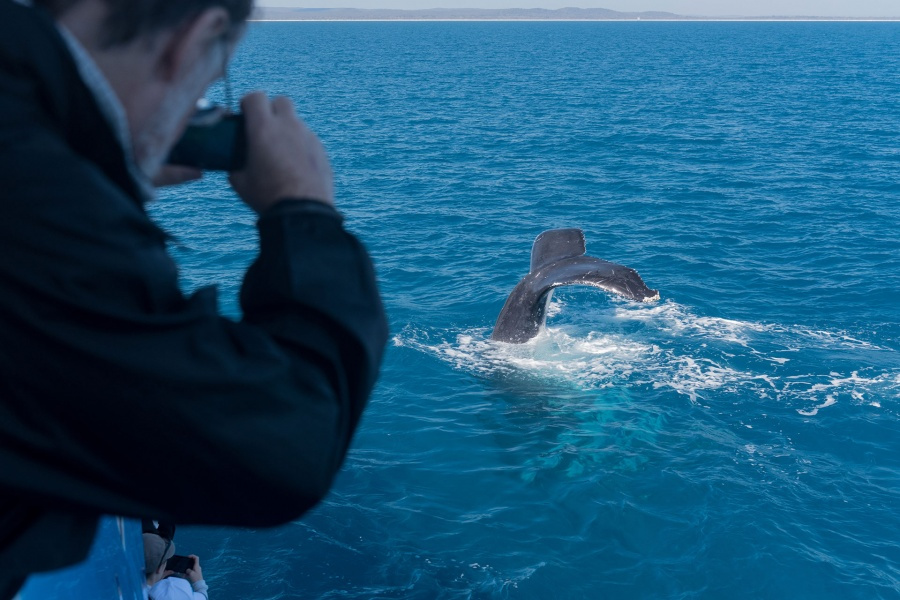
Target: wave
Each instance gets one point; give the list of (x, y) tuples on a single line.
[(667, 346)]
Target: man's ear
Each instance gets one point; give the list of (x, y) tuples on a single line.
[(190, 43)]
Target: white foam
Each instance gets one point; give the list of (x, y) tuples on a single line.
[(829, 401), (554, 307), (675, 318), (832, 339), (665, 346)]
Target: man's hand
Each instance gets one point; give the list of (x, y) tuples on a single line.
[(285, 159), (175, 174), (195, 574)]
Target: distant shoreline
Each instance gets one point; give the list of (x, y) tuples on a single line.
[(519, 14), (686, 20)]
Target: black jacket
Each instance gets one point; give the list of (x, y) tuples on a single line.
[(108, 373)]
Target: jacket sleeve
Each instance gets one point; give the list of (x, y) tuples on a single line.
[(122, 396)]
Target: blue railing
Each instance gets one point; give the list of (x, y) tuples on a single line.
[(114, 570)]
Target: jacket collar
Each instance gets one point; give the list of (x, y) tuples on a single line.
[(38, 73)]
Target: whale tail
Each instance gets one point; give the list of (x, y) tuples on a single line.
[(558, 259), (555, 245)]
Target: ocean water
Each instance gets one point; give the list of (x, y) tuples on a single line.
[(737, 438)]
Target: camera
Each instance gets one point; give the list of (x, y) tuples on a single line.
[(214, 140)]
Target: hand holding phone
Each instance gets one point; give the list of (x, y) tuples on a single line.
[(196, 573)]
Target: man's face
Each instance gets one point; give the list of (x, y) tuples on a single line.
[(153, 143)]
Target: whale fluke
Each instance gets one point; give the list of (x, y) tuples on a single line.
[(558, 259)]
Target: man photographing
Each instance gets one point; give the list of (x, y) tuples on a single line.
[(106, 368)]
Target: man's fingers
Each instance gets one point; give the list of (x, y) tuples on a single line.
[(258, 102), (254, 101), (282, 105), (259, 112), (285, 158), (256, 109), (175, 174)]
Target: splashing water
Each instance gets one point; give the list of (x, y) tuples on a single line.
[(665, 345)]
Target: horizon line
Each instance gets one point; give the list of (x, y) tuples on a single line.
[(684, 20), (632, 15)]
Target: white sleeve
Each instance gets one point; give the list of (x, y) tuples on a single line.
[(201, 590)]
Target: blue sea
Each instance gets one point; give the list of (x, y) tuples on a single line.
[(737, 438)]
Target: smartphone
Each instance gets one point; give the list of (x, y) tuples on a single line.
[(180, 564), (213, 141)]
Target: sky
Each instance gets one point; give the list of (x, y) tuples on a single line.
[(750, 8)]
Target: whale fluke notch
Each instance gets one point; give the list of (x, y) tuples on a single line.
[(558, 259)]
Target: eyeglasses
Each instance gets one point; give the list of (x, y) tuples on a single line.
[(163, 558)]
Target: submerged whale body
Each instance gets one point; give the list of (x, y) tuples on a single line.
[(557, 259)]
